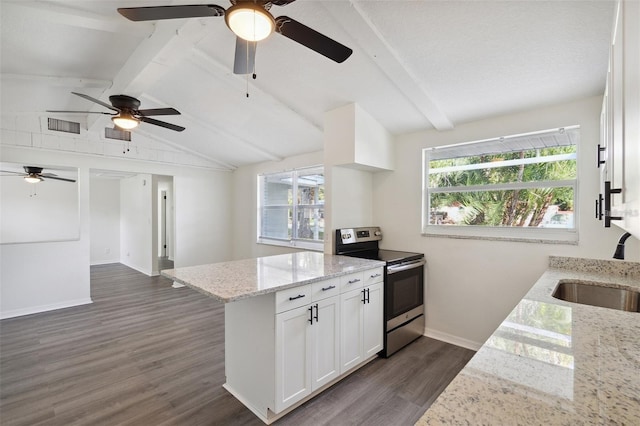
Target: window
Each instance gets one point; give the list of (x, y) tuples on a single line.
[(503, 187), (291, 208)]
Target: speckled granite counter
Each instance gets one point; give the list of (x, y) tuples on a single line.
[(240, 279), (553, 362)]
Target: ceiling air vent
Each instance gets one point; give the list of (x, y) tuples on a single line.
[(121, 135), (63, 126)]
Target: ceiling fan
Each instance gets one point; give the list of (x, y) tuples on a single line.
[(34, 175), (127, 116), (250, 21)]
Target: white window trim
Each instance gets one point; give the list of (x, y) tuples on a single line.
[(515, 234)]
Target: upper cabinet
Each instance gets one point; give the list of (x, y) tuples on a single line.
[(619, 150)]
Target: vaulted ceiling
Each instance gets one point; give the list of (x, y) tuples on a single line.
[(416, 65)]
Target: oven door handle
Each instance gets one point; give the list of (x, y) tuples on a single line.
[(406, 266)]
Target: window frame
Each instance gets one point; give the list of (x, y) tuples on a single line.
[(509, 233), (295, 207)]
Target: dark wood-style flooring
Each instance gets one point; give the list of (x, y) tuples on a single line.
[(147, 354)]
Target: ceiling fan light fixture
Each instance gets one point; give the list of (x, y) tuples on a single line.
[(33, 178), (249, 21), (125, 121)]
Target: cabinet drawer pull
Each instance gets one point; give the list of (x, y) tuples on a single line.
[(328, 288), (297, 297), (375, 275), (353, 281)]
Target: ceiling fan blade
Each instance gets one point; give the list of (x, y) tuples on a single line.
[(9, 171), (99, 102), (154, 13), (245, 59), (162, 124), (281, 2), (78, 112), (312, 39), (48, 176), (158, 111)]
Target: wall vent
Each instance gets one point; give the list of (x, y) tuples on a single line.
[(63, 126), (121, 135)]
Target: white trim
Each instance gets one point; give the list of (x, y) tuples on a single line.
[(506, 186), (450, 338), (299, 244), (515, 233), (44, 308), (504, 163), (105, 262)]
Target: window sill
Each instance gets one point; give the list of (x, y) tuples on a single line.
[(522, 235), (302, 245)]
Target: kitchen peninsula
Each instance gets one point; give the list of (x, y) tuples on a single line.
[(294, 323)]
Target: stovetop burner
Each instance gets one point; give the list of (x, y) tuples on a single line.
[(390, 256)]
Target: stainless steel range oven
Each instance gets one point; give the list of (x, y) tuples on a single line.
[(403, 284)]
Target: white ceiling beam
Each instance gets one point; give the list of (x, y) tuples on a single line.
[(153, 57), (79, 18), (49, 80), (351, 16)]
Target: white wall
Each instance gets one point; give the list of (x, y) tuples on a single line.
[(136, 232), (40, 276), (104, 217), (472, 285), (245, 204)]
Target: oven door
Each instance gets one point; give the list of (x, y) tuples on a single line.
[(404, 288)]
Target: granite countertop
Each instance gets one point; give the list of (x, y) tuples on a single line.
[(240, 279), (553, 362)]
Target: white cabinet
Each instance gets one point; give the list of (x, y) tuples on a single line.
[(620, 124), (282, 348), (362, 325), (307, 356)]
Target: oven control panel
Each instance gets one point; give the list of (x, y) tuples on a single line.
[(358, 235)]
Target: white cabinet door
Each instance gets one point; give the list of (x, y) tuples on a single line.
[(293, 358), (373, 320), (351, 329), (326, 341)]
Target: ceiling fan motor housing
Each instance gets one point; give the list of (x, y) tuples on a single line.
[(124, 102)]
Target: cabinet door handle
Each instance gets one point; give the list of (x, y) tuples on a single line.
[(599, 203), (608, 191), (310, 315), (600, 160), (316, 315), (353, 281), (328, 288), (364, 295), (368, 300), (297, 297)]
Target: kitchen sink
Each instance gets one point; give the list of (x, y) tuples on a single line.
[(598, 294)]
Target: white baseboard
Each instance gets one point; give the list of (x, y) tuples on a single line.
[(44, 308), (146, 272), (104, 262), (450, 338)]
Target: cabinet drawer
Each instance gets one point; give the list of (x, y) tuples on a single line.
[(292, 298), (351, 281), (323, 289), (373, 276)]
